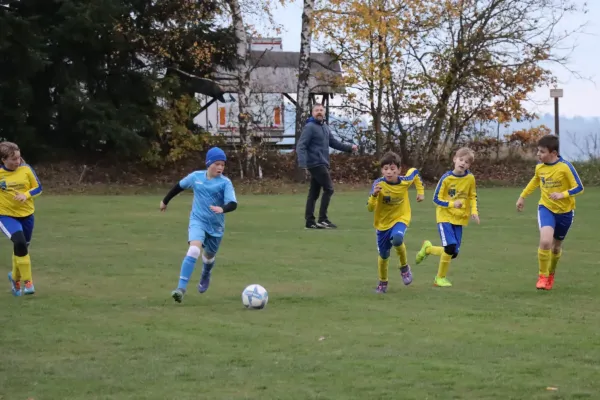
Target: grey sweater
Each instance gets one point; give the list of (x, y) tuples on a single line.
[(314, 143)]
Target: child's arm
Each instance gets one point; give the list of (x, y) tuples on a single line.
[(533, 184), (229, 198), (418, 182), (440, 188), (179, 187), (373, 194), (574, 182), (34, 184), (473, 199)]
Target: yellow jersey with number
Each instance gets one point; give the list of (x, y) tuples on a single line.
[(560, 177), (392, 205), (21, 180), (453, 187)]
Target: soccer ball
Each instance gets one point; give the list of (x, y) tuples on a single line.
[(255, 297)]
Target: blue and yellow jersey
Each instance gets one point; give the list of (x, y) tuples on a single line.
[(392, 204), (451, 188), (559, 176), (21, 180)]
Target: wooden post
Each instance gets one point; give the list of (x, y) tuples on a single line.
[(556, 94)]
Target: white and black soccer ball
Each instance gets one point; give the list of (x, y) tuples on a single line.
[(255, 297)]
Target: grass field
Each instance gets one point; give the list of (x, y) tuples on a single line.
[(102, 324)]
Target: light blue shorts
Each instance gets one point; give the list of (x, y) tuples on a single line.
[(210, 243)]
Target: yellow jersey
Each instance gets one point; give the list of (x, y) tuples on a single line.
[(453, 187), (391, 205), (21, 180), (559, 176)]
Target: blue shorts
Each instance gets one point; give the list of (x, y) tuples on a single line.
[(384, 238), (559, 222), (12, 225), (210, 243), (450, 234)]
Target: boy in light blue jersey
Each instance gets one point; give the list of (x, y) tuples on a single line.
[(213, 197)]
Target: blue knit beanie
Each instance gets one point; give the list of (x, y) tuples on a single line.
[(215, 154)]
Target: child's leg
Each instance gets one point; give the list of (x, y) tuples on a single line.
[(26, 271), (547, 223), (563, 224), (196, 235), (384, 245), (189, 263), (210, 249), (398, 232), (428, 249), (450, 245), (21, 262)]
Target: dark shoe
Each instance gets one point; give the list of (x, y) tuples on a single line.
[(313, 225), (327, 224)]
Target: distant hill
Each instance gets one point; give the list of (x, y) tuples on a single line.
[(579, 136)]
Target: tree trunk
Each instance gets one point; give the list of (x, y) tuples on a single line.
[(243, 79), (303, 91)]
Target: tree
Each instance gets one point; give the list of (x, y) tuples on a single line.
[(96, 85), (483, 60), (369, 38), (426, 71), (303, 91)]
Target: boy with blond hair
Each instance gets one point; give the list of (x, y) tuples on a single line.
[(389, 202), (456, 199)]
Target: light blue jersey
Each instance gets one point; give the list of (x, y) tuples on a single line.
[(216, 191)]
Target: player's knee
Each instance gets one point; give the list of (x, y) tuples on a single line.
[(546, 243), (451, 250), (556, 246), (20, 244), (208, 258), (194, 252), (385, 254), (328, 190), (397, 239)]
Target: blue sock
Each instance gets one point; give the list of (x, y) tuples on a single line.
[(207, 265), (187, 267)]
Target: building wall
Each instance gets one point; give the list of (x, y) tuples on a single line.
[(266, 108)]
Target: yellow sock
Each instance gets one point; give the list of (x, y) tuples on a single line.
[(16, 275), (444, 265), (544, 261), (435, 250), (401, 251), (554, 261), (24, 267), (382, 266)]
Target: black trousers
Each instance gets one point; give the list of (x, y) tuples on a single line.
[(320, 178)]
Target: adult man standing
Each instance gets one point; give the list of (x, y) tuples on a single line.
[(313, 155)]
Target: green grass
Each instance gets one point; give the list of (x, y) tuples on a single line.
[(102, 324)]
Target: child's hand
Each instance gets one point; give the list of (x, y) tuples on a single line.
[(557, 196), (376, 190), (475, 218), (21, 197), (520, 204), (458, 204), (420, 197), (216, 209), (163, 207)]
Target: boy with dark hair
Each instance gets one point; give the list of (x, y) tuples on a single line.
[(456, 198), (559, 184), (390, 203)]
